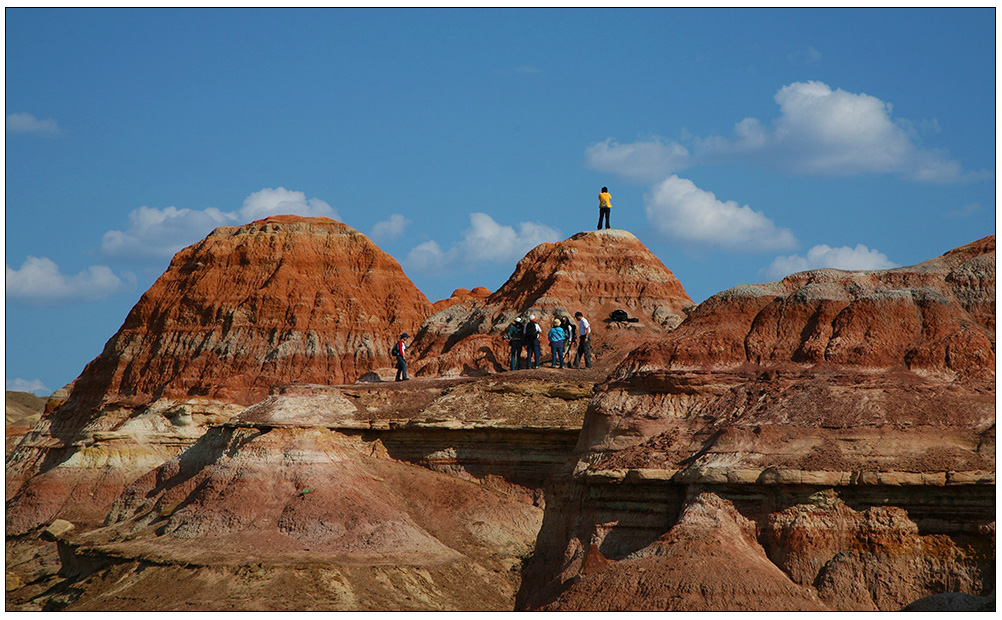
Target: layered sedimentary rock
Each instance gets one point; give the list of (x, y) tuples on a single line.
[(849, 415), (310, 490), (273, 488), (459, 296), (279, 300), (282, 299), (592, 272)]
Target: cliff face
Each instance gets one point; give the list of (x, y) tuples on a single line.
[(848, 416), (592, 272), (278, 300)]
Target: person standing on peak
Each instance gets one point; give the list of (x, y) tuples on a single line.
[(398, 350), (604, 207), (584, 341)]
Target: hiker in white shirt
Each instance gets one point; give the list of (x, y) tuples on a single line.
[(584, 341)]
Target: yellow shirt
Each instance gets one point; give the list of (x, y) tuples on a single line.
[(605, 200)]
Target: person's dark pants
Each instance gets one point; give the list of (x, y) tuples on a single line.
[(584, 350), (532, 354), (516, 355), (603, 212), (556, 350), (401, 368)]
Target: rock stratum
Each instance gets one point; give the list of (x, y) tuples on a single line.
[(822, 443), (280, 300), (593, 273)]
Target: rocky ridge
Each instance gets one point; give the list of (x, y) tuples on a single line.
[(593, 272), (850, 416), (762, 475)]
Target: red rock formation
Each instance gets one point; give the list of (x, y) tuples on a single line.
[(282, 299), (935, 316), (459, 296), (273, 488), (709, 561), (852, 415), (592, 272)]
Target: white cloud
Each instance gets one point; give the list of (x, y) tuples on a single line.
[(426, 258), (819, 131), (646, 161), (27, 123), (162, 232), (39, 280), (35, 386), (281, 201), (680, 210), (809, 56), (965, 211), (859, 258), (834, 132), (390, 228), (484, 241)]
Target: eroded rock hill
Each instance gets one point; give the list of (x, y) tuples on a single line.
[(282, 299), (826, 442), (849, 416), (592, 272)]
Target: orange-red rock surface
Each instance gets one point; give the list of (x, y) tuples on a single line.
[(592, 272), (849, 415), (282, 299), (459, 296)]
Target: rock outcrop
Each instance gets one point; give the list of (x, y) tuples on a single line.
[(592, 272), (279, 300), (834, 410), (282, 299)]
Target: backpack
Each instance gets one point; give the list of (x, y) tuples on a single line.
[(619, 315), (395, 349), (531, 332)]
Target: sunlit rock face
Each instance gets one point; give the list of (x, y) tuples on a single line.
[(282, 299), (849, 416), (592, 272)]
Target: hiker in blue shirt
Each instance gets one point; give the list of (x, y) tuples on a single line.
[(556, 336)]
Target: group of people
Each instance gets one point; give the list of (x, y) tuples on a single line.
[(561, 336), (527, 333)]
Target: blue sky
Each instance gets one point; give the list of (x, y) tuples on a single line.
[(738, 145)]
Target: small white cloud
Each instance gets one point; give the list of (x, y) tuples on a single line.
[(859, 258), (27, 123), (390, 228), (281, 201), (163, 232), (35, 386), (426, 258), (810, 56), (965, 211), (484, 241), (645, 161), (39, 280), (680, 210)]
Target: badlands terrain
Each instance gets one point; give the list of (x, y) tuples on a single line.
[(826, 442)]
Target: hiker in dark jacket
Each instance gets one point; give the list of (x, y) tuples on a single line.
[(567, 325), (530, 338), (514, 336)]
